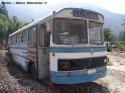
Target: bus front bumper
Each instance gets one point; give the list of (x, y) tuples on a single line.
[(74, 77)]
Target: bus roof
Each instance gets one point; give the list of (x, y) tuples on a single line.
[(43, 19), (31, 24), (79, 9)]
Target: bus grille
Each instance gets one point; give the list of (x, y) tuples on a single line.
[(79, 64)]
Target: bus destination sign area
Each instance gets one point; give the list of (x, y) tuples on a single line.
[(85, 14)]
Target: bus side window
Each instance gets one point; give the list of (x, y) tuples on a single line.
[(11, 40), (18, 39), (32, 34), (24, 37), (14, 39)]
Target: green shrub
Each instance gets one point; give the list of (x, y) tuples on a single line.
[(121, 46)]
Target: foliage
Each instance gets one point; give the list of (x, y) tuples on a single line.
[(123, 25), (109, 37), (3, 9), (7, 25), (107, 34), (4, 23), (121, 45), (14, 24), (122, 36)]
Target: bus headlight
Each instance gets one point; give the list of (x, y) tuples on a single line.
[(66, 65), (106, 60)]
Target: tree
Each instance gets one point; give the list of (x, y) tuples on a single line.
[(122, 33), (7, 25), (109, 37), (113, 40), (3, 9), (122, 36), (121, 44), (4, 23), (107, 34), (123, 24)]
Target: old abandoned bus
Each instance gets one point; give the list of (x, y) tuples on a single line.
[(67, 47)]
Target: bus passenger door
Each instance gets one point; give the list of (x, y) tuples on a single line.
[(42, 52)]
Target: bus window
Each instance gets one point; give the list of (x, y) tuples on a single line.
[(14, 39), (32, 34), (70, 31), (24, 36), (95, 33), (11, 40), (18, 38)]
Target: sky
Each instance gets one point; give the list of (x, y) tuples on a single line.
[(116, 6), (35, 11)]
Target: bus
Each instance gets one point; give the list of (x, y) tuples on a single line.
[(66, 47)]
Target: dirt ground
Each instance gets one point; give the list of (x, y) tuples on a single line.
[(12, 80), (115, 79)]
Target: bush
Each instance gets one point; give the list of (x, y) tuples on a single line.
[(109, 49), (121, 46)]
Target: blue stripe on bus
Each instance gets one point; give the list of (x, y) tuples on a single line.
[(65, 49), (72, 50), (77, 76), (18, 47), (74, 73), (25, 52), (79, 79)]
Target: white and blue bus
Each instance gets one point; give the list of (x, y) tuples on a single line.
[(67, 47)]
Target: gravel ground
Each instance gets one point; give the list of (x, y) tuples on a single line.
[(12, 80), (115, 79)]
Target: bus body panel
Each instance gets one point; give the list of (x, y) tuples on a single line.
[(19, 54), (32, 53), (74, 77), (73, 53)]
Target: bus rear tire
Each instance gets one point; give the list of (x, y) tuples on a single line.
[(33, 72)]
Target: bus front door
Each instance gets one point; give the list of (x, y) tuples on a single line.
[(42, 52)]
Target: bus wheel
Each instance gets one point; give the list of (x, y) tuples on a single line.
[(33, 72)]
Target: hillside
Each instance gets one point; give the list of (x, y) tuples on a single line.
[(112, 20)]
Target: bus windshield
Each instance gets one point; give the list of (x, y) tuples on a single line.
[(70, 31), (95, 33)]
